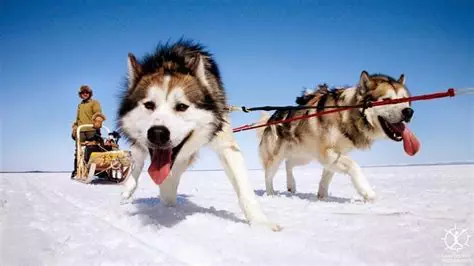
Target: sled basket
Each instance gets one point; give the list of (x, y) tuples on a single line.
[(112, 166)]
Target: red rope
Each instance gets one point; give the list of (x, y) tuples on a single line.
[(449, 93)]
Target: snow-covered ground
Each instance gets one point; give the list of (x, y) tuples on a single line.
[(47, 219)]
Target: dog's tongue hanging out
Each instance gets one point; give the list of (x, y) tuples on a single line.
[(160, 165), (410, 142)]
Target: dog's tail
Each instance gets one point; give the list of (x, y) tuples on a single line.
[(263, 119), (267, 141)]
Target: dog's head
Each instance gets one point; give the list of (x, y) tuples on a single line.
[(113, 137), (174, 96), (388, 120)]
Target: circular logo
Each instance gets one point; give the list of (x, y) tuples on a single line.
[(456, 239)]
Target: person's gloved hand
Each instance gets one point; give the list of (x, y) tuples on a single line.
[(73, 132), (97, 120)]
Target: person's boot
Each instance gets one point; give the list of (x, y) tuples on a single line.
[(73, 174)]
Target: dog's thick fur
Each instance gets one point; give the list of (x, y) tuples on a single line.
[(178, 87), (329, 138)]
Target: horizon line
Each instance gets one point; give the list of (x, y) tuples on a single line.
[(259, 169)]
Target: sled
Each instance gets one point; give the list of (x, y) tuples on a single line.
[(106, 162)]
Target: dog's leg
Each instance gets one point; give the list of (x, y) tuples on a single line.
[(343, 164), (138, 157), (290, 179), (291, 163), (324, 183), (270, 170), (234, 166), (169, 188)]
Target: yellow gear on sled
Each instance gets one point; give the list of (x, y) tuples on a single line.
[(106, 159)]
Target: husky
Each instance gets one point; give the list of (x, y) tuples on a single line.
[(113, 138), (174, 104), (329, 138)]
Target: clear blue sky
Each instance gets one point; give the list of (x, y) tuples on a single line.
[(267, 51)]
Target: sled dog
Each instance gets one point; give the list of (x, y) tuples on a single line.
[(174, 104), (329, 138)]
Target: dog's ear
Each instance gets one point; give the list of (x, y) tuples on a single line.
[(115, 134), (365, 83), (134, 70), (197, 64), (402, 79)]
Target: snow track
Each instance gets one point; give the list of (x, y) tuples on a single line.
[(47, 219)]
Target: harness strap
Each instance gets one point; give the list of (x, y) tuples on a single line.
[(365, 105)]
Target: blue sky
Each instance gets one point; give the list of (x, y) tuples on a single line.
[(267, 51)]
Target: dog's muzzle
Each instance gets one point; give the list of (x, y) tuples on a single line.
[(158, 135)]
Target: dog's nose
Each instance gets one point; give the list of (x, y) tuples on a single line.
[(407, 114), (158, 135)]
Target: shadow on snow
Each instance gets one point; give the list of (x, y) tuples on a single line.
[(151, 211)]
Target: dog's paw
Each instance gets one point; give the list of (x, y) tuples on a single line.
[(275, 227), (125, 201), (168, 201), (268, 225), (322, 194), (126, 195), (270, 192), (369, 196), (291, 190)]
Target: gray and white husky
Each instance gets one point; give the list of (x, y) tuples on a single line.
[(173, 105)]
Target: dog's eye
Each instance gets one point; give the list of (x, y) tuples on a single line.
[(150, 105), (181, 107)]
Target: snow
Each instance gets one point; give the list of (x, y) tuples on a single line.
[(47, 219)]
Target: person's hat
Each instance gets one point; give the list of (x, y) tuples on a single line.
[(85, 88)]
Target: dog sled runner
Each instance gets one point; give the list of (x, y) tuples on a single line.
[(101, 161)]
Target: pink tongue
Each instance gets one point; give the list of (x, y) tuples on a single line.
[(410, 142), (160, 165)]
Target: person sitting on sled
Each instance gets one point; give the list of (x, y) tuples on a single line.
[(89, 111)]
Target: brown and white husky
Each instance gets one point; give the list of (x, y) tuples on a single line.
[(174, 103), (329, 138)]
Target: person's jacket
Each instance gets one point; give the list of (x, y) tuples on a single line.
[(87, 111)]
